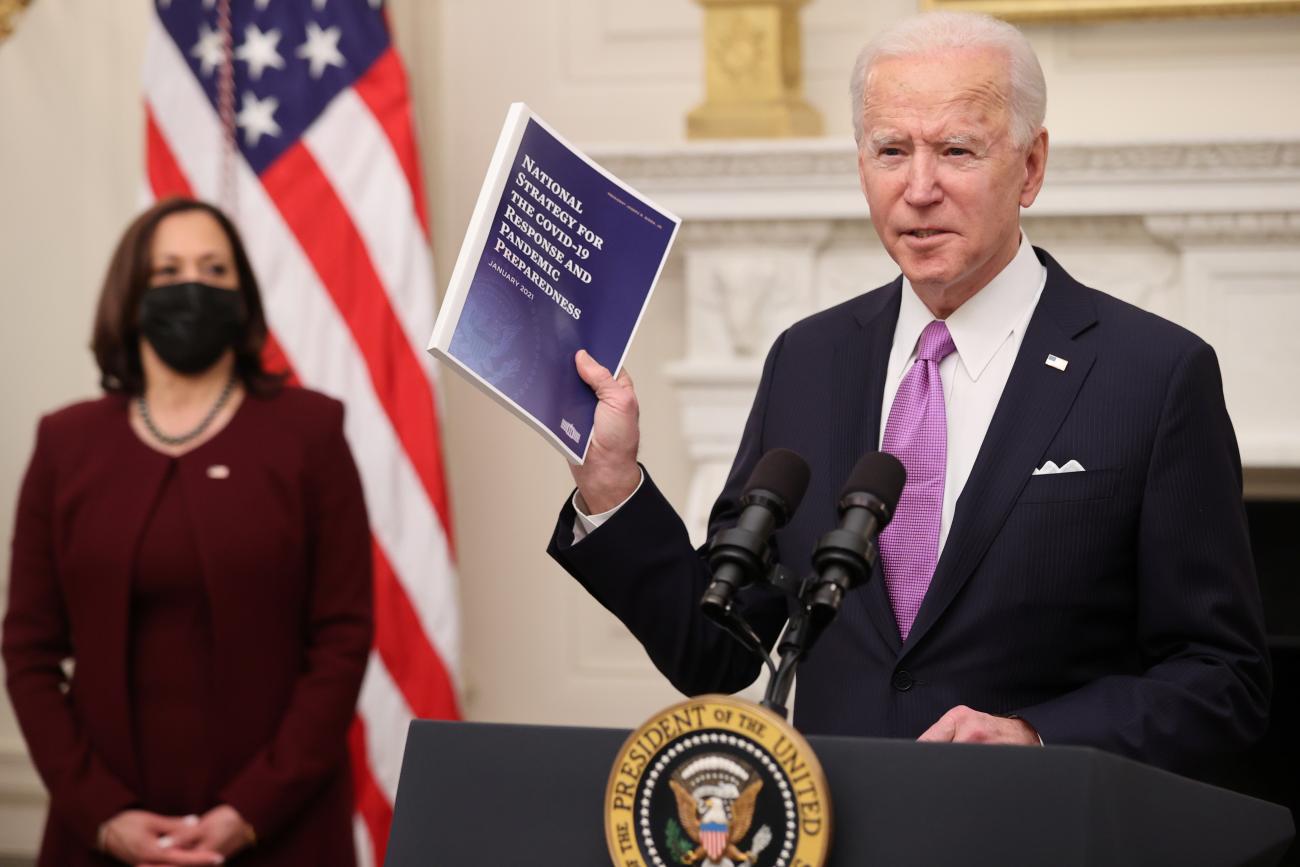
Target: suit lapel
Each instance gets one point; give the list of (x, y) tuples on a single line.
[(860, 362), (1034, 403), (129, 476)]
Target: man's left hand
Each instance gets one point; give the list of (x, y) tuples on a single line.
[(961, 725)]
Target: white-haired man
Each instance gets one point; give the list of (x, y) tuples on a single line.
[(1069, 562)]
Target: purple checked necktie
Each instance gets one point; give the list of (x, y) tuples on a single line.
[(917, 434)]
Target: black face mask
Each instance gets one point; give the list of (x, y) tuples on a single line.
[(189, 325)]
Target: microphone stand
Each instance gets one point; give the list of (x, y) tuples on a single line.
[(806, 625), (843, 560), (816, 603), (794, 646), (800, 635), (802, 632)]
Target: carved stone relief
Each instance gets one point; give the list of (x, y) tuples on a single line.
[(739, 299)]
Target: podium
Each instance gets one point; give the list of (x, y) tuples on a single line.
[(501, 795)]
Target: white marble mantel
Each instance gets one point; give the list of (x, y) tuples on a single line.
[(1205, 233), (817, 178)]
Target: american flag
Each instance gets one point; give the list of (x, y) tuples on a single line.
[(294, 116)]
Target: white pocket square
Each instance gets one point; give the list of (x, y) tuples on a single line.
[(1050, 468)]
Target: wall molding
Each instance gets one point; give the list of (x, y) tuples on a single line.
[(18, 779), (1220, 229), (783, 160), (802, 178), (22, 800), (776, 230)]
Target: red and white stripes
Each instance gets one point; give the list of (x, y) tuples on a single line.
[(337, 233)]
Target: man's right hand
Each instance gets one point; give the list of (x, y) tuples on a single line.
[(610, 474)]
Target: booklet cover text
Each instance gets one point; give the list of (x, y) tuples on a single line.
[(560, 255)]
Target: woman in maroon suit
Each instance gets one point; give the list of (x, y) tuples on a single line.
[(195, 542)]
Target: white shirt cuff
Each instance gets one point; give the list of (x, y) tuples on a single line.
[(584, 524)]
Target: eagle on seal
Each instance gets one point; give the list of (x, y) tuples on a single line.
[(707, 824)]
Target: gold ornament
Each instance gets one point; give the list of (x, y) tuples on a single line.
[(10, 10), (753, 72)]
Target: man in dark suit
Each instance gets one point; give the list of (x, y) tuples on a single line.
[(1069, 563)]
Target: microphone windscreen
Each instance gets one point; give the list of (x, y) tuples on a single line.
[(878, 473), (783, 473)]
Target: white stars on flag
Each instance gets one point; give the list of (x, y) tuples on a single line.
[(321, 48), (257, 118), (208, 49), (259, 51)]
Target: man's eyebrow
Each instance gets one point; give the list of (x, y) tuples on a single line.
[(961, 140), (888, 138), (884, 138)]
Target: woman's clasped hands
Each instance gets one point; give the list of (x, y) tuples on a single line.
[(151, 840)]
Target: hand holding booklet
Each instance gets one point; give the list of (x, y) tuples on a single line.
[(560, 255)]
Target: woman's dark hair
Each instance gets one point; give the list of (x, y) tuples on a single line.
[(115, 339)]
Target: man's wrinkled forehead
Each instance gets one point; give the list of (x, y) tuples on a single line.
[(973, 84)]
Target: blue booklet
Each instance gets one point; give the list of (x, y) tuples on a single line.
[(560, 255)]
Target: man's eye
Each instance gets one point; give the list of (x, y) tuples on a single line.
[(891, 152), (958, 152)]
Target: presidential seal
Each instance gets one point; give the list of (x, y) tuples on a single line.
[(717, 782)]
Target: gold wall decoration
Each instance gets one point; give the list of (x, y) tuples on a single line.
[(1045, 11), (753, 72), (10, 10)]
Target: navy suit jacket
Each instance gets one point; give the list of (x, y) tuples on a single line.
[(1117, 607)]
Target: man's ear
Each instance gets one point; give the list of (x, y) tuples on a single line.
[(1035, 168)]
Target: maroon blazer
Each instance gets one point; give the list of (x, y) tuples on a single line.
[(284, 543)]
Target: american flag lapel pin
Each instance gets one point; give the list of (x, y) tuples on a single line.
[(1058, 363), (218, 471)]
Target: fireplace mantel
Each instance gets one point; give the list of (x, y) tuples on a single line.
[(1204, 233)]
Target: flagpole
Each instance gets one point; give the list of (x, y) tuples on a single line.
[(226, 108)]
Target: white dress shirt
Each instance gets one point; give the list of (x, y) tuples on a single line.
[(584, 523), (987, 331)]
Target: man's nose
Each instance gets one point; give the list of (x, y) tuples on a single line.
[(922, 183)]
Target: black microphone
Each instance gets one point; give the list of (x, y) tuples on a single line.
[(845, 556), (740, 555)]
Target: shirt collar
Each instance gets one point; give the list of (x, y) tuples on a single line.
[(982, 324)]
